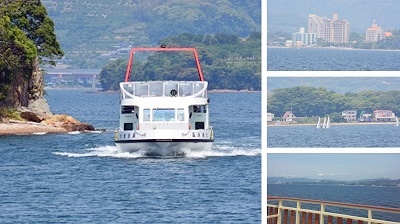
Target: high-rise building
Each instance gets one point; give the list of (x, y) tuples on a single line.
[(330, 30), (317, 25), (374, 33)]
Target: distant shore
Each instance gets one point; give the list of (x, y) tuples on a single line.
[(334, 48), (116, 91), (333, 124)]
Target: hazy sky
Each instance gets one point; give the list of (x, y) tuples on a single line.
[(337, 166)]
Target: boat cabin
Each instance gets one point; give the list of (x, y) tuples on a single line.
[(168, 105)]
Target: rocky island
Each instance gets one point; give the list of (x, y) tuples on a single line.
[(27, 40)]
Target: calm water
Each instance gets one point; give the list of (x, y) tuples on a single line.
[(328, 59), (84, 179), (367, 195), (337, 136)]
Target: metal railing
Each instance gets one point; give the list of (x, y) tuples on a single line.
[(295, 211), (164, 88)]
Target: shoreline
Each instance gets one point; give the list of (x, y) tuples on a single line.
[(334, 124), (28, 129), (334, 48)]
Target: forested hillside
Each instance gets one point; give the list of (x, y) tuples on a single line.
[(93, 32), (337, 84), (228, 62), (312, 101)]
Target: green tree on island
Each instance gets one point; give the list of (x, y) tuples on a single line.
[(26, 38)]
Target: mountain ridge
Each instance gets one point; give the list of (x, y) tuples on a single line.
[(308, 181), (89, 31)]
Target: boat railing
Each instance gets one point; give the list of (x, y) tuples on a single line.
[(295, 211), (164, 89)]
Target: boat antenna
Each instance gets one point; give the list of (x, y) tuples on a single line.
[(163, 48)]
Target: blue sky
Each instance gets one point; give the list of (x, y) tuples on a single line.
[(336, 166)]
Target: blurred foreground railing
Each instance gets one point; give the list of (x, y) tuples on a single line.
[(303, 211)]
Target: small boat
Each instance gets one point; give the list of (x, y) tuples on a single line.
[(328, 123), (397, 122), (319, 123), (164, 117), (324, 124)]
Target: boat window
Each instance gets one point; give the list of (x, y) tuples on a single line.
[(127, 109), (185, 89), (181, 114), (161, 114), (156, 88), (200, 109), (141, 89), (128, 126), (199, 125), (146, 114)]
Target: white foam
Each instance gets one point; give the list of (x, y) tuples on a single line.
[(112, 151), (74, 132)]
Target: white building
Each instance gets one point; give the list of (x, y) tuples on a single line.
[(270, 116), (306, 39), (374, 33), (350, 115)]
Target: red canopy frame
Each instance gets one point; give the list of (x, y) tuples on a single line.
[(136, 49)]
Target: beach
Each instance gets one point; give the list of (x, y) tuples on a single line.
[(28, 128)]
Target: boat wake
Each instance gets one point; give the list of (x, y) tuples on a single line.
[(112, 151)]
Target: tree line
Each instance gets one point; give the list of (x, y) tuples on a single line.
[(228, 62), (307, 101)]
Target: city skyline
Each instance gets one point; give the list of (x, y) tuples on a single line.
[(289, 15), (334, 166)]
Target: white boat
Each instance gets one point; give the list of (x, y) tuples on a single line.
[(328, 123), (319, 123), (164, 117), (324, 124)]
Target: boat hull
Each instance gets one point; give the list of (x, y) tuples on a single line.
[(164, 147)]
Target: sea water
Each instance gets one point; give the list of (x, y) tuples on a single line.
[(332, 59), (337, 136), (83, 178)]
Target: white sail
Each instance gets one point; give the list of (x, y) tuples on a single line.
[(328, 123), (319, 122), (397, 121), (324, 125)]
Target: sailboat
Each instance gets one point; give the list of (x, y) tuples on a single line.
[(397, 122), (324, 125), (328, 123), (319, 123)]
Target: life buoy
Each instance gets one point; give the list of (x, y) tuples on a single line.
[(173, 92)]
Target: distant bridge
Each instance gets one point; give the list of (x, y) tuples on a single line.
[(92, 74)]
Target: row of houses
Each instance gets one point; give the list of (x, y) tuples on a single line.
[(378, 115), (348, 115)]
